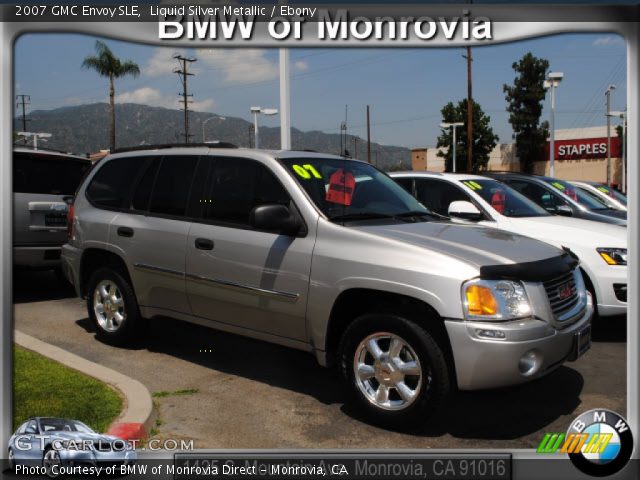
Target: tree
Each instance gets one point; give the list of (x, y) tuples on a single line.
[(110, 66), (525, 99), (484, 140)]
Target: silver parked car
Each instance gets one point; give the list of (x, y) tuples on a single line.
[(43, 183), (49, 442), (326, 255)]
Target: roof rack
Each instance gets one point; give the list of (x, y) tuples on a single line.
[(175, 145)]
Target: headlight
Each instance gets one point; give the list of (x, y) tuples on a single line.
[(613, 256), (494, 300)]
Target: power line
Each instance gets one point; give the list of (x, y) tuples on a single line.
[(184, 74)]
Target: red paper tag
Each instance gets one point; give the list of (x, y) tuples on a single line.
[(341, 187), (498, 200), (571, 193)]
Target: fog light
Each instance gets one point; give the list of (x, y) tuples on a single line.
[(529, 363), (492, 334)]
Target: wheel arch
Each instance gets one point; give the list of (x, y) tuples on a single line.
[(355, 302), (94, 258)]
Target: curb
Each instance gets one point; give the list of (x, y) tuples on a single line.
[(137, 417)]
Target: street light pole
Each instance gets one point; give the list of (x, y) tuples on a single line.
[(453, 140), (610, 88), (552, 81), (256, 111)]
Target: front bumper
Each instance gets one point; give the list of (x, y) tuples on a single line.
[(92, 457), (531, 348), (605, 281)]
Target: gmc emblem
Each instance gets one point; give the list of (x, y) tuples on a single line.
[(564, 291)]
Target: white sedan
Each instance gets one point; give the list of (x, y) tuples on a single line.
[(601, 247)]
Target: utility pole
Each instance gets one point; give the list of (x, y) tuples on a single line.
[(469, 111), (368, 136), (608, 114), (184, 74), (355, 147), (251, 134), (24, 101)]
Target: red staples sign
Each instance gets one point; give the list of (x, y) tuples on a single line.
[(577, 149)]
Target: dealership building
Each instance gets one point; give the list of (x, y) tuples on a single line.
[(581, 154)]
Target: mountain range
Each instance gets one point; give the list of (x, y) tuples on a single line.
[(85, 129)]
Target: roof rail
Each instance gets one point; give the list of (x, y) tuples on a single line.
[(47, 149), (175, 145)]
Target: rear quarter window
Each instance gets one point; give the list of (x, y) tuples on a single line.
[(111, 186)]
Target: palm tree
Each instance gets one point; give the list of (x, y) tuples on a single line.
[(108, 65)]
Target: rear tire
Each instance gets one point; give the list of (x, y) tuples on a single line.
[(113, 307), (395, 372)]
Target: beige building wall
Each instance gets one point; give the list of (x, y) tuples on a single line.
[(593, 170), (504, 158), (419, 159)]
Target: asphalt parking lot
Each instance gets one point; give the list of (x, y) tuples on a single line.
[(241, 393)]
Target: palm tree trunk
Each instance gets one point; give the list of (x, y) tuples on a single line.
[(112, 92)]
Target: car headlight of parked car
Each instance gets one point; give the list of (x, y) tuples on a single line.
[(494, 300), (613, 256), (78, 445)]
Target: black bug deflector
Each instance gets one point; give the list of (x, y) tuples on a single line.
[(538, 271)]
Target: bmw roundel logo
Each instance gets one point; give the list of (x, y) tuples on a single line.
[(604, 442)]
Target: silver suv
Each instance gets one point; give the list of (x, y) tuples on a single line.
[(326, 255), (43, 182)]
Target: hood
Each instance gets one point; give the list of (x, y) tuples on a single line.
[(604, 216), (81, 436), (479, 246), (573, 233)]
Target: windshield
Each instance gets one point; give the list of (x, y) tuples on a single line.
[(350, 190), (577, 195), (504, 199), (63, 425), (613, 193)]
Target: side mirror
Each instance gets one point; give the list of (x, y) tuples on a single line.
[(275, 218), (465, 210), (564, 210)]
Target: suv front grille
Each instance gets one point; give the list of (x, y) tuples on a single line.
[(562, 294)]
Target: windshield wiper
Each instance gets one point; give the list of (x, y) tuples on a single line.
[(404, 216), (360, 216)]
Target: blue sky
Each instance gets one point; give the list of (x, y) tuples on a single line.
[(406, 88)]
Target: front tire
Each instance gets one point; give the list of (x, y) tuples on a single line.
[(50, 458), (113, 307), (395, 372), (12, 460)]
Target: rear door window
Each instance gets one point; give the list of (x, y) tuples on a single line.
[(47, 174), (406, 183), (539, 194), (172, 185), (142, 194), (111, 186), (437, 195)]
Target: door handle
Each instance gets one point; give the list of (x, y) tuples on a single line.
[(204, 244), (125, 232)]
